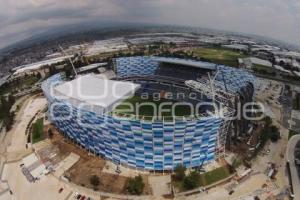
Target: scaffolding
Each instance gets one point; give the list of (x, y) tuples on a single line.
[(224, 98)]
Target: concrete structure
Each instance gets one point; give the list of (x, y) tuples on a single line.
[(258, 61), (29, 160), (90, 67), (240, 47), (33, 167), (282, 70), (290, 156)]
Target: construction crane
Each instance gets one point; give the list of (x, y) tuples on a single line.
[(70, 60)]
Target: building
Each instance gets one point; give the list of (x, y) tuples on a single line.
[(31, 68), (85, 113), (260, 62), (238, 47)]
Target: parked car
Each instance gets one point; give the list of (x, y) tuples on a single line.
[(82, 198)]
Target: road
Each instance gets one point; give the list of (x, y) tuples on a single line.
[(288, 82), (290, 156)]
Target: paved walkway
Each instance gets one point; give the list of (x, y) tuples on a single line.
[(18, 133)]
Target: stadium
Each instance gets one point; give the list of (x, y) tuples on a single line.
[(94, 112)]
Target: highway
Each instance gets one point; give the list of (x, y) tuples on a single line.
[(290, 156)]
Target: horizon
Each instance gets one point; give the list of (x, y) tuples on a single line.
[(278, 20), (62, 31)]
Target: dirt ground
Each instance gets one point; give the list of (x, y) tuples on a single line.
[(89, 165)]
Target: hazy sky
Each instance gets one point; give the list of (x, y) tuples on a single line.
[(279, 19)]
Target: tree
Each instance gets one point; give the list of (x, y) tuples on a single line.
[(274, 134), (180, 172), (68, 71), (268, 121), (281, 63), (292, 133), (38, 75), (236, 161), (9, 120), (5, 114), (11, 100), (50, 133), (192, 180), (95, 181), (4, 104), (52, 70), (135, 185)]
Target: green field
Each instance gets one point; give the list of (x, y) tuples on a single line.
[(204, 179), (263, 69), (219, 55), (37, 130), (214, 176), (148, 111)]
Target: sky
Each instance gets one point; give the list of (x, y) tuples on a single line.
[(279, 19)]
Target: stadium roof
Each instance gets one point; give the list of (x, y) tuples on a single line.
[(101, 94), (191, 63)]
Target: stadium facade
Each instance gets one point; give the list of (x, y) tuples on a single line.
[(156, 144)]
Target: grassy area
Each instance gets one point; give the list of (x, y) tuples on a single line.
[(205, 179), (23, 83), (141, 109), (219, 55), (263, 69), (214, 176), (37, 130)]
